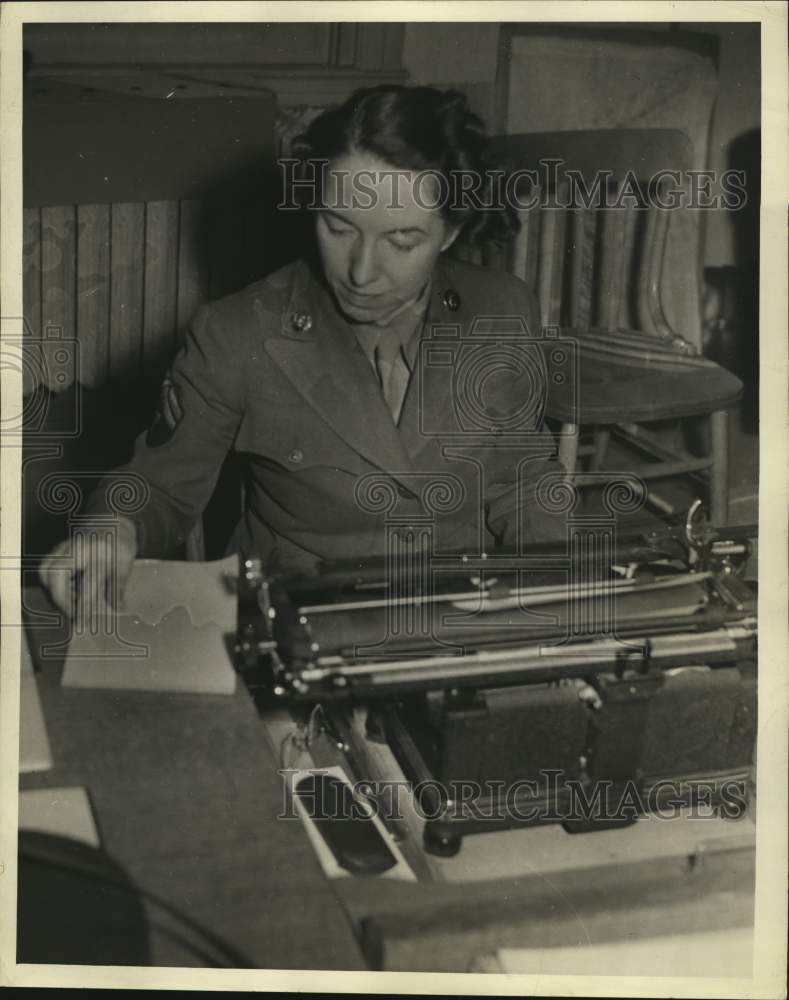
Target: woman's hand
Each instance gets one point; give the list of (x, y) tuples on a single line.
[(89, 571)]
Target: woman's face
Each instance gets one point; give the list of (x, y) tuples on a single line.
[(378, 236)]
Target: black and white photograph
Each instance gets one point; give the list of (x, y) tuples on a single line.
[(393, 443)]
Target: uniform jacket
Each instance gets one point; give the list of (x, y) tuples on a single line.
[(277, 374)]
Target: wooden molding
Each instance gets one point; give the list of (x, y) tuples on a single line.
[(304, 64), (294, 86)]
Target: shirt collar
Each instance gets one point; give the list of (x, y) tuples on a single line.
[(406, 325)]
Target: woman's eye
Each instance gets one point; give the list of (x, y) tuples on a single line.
[(335, 227), (403, 244)]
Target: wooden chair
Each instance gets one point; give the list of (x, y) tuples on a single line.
[(597, 272)]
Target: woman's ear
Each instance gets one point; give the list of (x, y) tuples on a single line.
[(450, 238)]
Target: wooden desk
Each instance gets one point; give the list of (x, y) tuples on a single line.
[(186, 795)]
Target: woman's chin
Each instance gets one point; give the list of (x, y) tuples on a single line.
[(363, 312)]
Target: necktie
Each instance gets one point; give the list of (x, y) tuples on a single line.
[(392, 370)]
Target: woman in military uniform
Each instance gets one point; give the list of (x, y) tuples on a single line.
[(374, 379)]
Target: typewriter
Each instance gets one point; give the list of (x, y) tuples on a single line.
[(584, 685)]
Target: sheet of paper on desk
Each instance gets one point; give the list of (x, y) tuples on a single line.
[(34, 750), (64, 812), (156, 587), (172, 634)]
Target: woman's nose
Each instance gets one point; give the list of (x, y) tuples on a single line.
[(362, 269)]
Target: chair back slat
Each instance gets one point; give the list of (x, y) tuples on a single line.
[(648, 318), (582, 249), (601, 261), (525, 249), (550, 265), (612, 268), (631, 262)]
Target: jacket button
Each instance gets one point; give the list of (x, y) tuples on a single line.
[(452, 300), (296, 456), (301, 322)]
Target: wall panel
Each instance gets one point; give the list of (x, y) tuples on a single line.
[(161, 284), (124, 279), (31, 269), (58, 285), (93, 292), (193, 272), (127, 223)]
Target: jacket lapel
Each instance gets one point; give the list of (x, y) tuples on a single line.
[(428, 417), (326, 365)]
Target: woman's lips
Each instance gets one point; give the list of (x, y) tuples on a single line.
[(357, 299)]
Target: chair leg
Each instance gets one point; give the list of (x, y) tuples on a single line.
[(568, 448), (719, 471), (602, 436)]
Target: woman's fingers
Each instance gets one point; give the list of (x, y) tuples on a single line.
[(88, 574), (92, 567), (56, 574)]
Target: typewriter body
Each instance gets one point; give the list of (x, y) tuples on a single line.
[(512, 690)]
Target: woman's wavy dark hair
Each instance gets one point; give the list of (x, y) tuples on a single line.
[(417, 129)]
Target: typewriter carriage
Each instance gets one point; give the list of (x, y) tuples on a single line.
[(669, 698)]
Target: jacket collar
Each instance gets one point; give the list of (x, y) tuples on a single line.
[(318, 352)]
